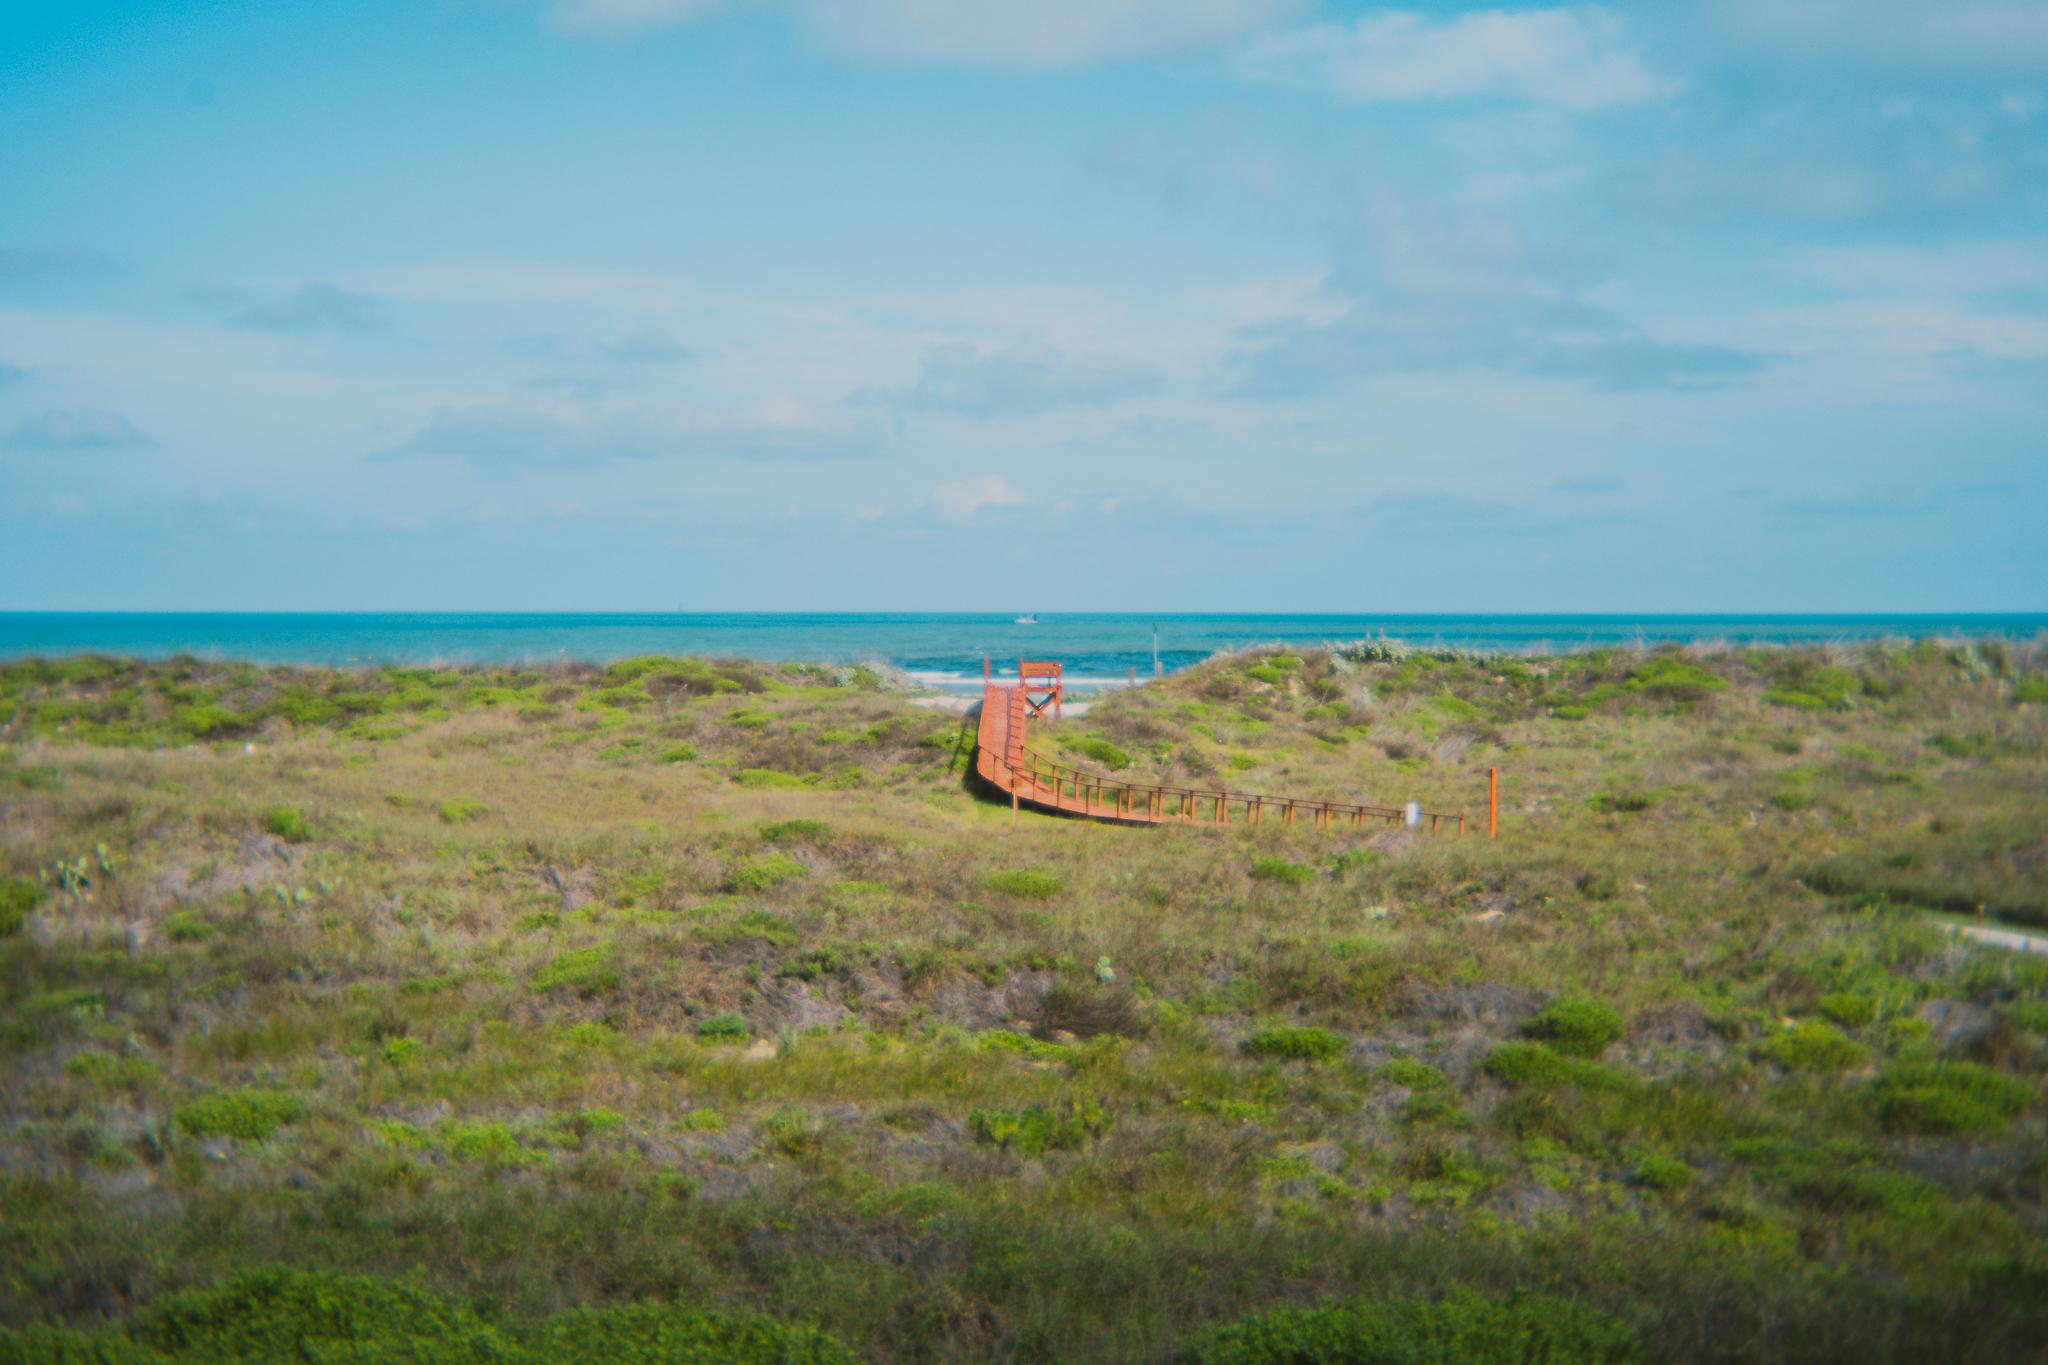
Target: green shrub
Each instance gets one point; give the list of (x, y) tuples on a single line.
[(1675, 679), (1462, 1328), (585, 971), (106, 1070), (1526, 1064), (312, 1316), (1101, 750), (723, 1028), (764, 777), (206, 720), (1816, 689), (1006, 1040), (676, 753), (288, 824), (1849, 1009), (813, 963), (758, 874), (1031, 883), (186, 926), (1577, 1025), (1949, 1097), (1659, 1171), (1814, 1046), (1415, 1075), (2031, 1015), (459, 809), (669, 1334), (1623, 801), (328, 1319), (2032, 688), (806, 830), (1294, 1041), (251, 1115), (485, 1143), (1040, 1128), (18, 896), (1538, 1067), (1280, 870)]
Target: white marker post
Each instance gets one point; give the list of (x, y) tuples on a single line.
[(1414, 813)]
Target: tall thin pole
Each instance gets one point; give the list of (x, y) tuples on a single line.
[(1493, 803), (1156, 670)]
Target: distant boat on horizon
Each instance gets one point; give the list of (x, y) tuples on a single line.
[(1027, 619)]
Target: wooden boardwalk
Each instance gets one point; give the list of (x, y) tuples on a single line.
[(1006, 761)]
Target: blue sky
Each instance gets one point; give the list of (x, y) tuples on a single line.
[(939, 304)]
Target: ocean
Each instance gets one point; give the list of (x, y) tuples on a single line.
[(940, 649)]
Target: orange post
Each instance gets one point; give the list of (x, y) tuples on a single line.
[(1493, 803)]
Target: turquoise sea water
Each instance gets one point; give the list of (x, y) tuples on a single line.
[(942, 649)]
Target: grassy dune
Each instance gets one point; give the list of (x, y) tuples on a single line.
[(485, 1005)]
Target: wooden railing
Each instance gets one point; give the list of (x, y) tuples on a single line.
[(1033, 778)]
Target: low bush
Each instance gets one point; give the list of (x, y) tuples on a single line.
[(482, 1142), (1281, 870), (1100, 750), (1949, 1097), (1849, 1009), (276, 1315), (186, 926), (1814, 1046), (18, 896), (287, 823), (1577, 1025), (1040, 1128), (1294, 1041), (670, 1334), (109, 1072), (584, 971), (758, 874), (723, 1028), (1537, 1066), (1031, 883), (1415, 1075), (1674, 679), (1462, 1328), (1661, 1171), (1622, 801), (250, 1115), (809, 831), (459, 810)]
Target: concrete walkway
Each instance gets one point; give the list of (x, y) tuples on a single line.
[(2016, 939)]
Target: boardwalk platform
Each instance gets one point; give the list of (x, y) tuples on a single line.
[(1004, 759)]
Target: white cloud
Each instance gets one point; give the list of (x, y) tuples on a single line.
[(958, 502), (1018, 379), (1039, 33), (626, 16), (1954, 268), (50, 260), (1577, 58), (315, 306), (78, 429), (521, 436), (1935, 36)]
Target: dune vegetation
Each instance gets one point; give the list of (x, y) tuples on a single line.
[(703, 1010)]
